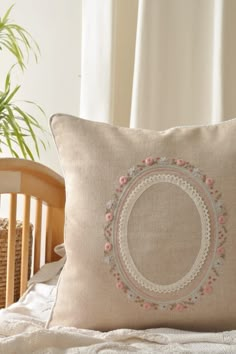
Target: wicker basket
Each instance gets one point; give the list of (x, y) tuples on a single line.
[(3, 258)]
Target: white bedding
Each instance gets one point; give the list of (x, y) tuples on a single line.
[(22, 330)]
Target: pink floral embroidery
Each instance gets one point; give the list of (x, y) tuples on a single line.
[(109, 216), (120, 285), (123, 180), (221, 219), (147, 306), (179, 307), (208, 183), (220, 251), (180, 162), (149, 161), (207, 289), (108, 247)]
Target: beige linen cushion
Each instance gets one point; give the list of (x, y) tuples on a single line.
[(150, 230)]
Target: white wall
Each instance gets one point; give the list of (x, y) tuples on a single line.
[(54, 82)]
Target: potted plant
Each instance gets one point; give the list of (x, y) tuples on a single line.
[(17, 125)]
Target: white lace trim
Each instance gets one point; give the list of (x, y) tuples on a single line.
[(122, 232)]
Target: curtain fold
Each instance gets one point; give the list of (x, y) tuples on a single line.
[(158, 63)]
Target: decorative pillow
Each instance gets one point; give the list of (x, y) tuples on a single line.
[(150, 231)]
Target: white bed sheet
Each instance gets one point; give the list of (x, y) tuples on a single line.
[(22, 330)]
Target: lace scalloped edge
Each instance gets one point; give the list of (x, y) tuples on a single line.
[(205, 241)]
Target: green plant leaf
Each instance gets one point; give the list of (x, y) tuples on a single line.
[(11, 95), (17, 40), (5, 17), (17, 125), (28, 123), (9, 140), (12, 123)]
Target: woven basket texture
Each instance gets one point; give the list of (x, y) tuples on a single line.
[(3, 258)]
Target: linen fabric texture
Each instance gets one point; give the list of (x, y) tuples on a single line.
[(150, 226)]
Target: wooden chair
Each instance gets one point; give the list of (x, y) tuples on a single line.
[(32, 180)]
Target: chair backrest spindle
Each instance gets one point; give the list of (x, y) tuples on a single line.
[(49, 219), (11, 250), (25, 245), (37, 235)]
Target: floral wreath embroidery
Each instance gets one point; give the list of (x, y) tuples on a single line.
[(213, 219)]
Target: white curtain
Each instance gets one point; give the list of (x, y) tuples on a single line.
[(158, 63)]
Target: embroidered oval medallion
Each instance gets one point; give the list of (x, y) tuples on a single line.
[(199, 278)]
